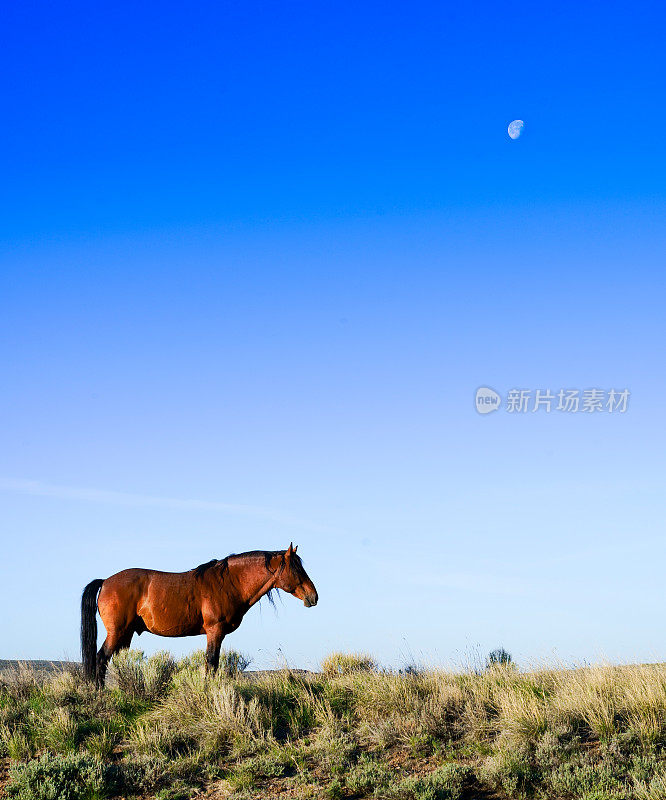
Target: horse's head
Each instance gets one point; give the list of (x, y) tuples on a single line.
[(294, 579)]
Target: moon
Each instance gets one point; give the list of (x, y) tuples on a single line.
[(515, 128)]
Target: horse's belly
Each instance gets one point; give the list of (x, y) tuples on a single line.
[(180, 629), (165, 624)]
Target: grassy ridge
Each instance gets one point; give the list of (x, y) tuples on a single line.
[(167, 731)]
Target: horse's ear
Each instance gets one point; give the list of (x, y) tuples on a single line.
[(296, 549), (291, 549)]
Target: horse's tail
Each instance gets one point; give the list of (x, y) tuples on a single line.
[(89, 628)]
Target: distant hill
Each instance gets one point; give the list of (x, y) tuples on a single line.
[(39, 666)]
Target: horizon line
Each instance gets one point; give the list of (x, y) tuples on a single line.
[(119, 498)]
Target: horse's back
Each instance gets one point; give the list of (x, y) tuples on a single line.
[(136, 573), (165, 601), (136, 582)]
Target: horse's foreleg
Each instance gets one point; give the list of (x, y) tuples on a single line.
[(214, 638)]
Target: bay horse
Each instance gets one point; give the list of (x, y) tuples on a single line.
[(211, 599)]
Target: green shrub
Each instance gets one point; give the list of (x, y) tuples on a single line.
[(20, 683), (158, 674), (334, 790), (233, 663), (511, 769), (653, 788), (103, 743), (347, 663), (195, 661), (17, 745), (142, 678), (272, 764), (201, 712), (71, 777), (499, 658), (445, 783), (420, 744), (368, 775), (144, 774), (127, 672), (60, 732), (70, 688), (592, 781), (174, 793), (334, 750), (242, 778), (647, 766)]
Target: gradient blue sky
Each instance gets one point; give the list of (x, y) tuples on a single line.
[(254, 262)]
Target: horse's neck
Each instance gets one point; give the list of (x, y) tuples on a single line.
[(252, 580)]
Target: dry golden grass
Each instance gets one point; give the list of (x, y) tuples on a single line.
[(594, 732)]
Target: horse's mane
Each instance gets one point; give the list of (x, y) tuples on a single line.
[(202, 569), (268, 555)]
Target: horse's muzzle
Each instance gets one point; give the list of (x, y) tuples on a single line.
[(311, 600)]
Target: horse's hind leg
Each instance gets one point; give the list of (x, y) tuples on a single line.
[(114, 641), (214, 638)]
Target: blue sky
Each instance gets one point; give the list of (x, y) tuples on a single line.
[(254, 263)]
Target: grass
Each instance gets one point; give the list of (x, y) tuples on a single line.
[(166, 730)]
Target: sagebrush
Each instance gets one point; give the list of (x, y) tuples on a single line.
[(168, 730)]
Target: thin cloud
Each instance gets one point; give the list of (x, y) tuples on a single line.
[(110, 497)]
